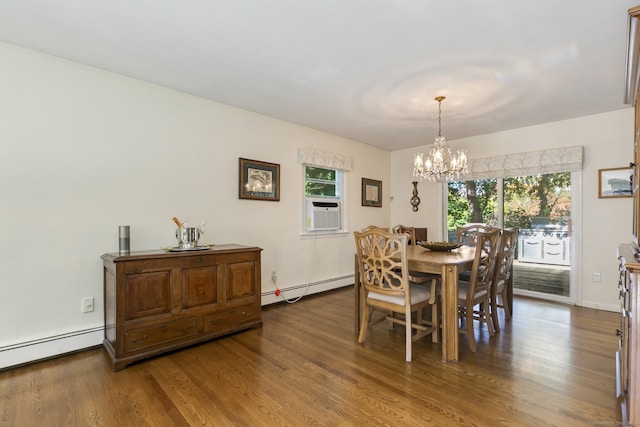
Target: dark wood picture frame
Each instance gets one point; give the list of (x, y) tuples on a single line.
[(614, 183), (371, 192), (259, 180)]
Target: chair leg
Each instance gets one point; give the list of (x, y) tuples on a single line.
[(366, 313), (408, 336), (435, 323), (494, 314), (486, 315), (471, 336), (505, 304)]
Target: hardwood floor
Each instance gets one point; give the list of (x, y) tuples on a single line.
[(551, 365)]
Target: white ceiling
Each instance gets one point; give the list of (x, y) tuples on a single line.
[(367, 70)]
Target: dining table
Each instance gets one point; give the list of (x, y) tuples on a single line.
[(445, 263)]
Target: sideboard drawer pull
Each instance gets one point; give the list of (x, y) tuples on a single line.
[(144, 338), (186, 329)]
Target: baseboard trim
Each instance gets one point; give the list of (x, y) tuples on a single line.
[(598, 306), (294, 292), (45, 348)]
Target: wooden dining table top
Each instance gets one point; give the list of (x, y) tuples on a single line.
[(428, 261)]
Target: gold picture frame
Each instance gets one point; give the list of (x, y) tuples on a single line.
[(614, 183)]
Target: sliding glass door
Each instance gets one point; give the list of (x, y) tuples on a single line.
[(540, 206)]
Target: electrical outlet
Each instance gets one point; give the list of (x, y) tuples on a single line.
[(596, 277), (274, 277), (87, 304)]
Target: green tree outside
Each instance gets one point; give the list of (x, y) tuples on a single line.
[(525, 197)]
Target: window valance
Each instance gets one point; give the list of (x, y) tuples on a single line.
[(313, 157), (567, 159)]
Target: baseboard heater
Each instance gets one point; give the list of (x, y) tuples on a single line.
[(47, 347), (269, 297)]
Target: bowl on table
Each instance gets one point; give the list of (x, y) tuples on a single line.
[(440, 246)]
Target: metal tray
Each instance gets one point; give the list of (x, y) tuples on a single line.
[(179, 249)]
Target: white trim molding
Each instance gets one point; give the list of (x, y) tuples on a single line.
[(294, 292), (44, 348)]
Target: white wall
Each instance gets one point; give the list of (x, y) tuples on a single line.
[(84, 151), (608, 142)]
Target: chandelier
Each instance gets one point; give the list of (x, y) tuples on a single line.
[(440, 165)]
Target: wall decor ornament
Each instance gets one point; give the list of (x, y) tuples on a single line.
[(415, 200), (371, 192), (259, 180)]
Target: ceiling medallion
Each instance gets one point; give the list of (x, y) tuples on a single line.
[(440, 165)]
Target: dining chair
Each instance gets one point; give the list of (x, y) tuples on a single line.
[(383, 267), (415, 276), (375, 227), (502, 273), (421, 234), (409, 231), (473, 296), (467, 237), (467, 233)]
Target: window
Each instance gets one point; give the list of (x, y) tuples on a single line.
[(321, 182), (323, 207), (324, 181)]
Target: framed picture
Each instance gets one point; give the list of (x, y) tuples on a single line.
[(614, 182), (259, 180), (371, 192)]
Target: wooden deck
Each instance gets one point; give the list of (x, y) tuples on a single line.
[(550, 279)]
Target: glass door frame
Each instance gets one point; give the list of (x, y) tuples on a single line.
[(575, 273)]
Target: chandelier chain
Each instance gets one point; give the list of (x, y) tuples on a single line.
[(440, 116)]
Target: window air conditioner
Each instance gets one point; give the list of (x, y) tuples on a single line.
[(323, 216)]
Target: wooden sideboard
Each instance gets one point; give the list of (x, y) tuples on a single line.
[(628, 354), (157, 301)]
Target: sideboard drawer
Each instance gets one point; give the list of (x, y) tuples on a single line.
[(160, 334), (230, 317)]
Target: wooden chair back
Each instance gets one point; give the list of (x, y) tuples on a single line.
[(374, 227), (384, 276), (504, 259), (484, 263), (382, 260), (421, 234), (467, 233), (409, 231), (502, 273)]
